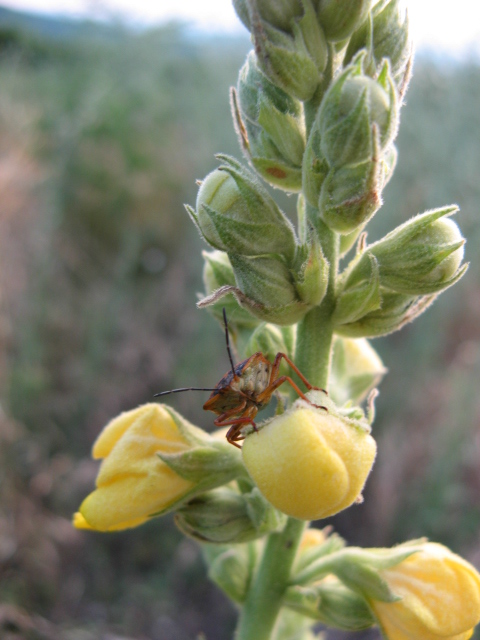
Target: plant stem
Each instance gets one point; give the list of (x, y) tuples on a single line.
[(315, 330), (264, 599)]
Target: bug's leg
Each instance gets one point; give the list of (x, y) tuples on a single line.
[(276, 367), (279, 381), (234, 434)]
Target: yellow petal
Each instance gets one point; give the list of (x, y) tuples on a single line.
[(133, 498), (79, 521), (135, 453), (308, 463), (440, 596), (161, 424)]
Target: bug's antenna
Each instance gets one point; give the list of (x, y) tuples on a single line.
[(164, 393), (227, 338)]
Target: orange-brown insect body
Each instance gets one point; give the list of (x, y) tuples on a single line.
[(246, 389), (252, 377)]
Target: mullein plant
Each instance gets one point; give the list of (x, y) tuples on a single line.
[(316, 110)]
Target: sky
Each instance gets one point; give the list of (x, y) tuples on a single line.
[(443, 26)]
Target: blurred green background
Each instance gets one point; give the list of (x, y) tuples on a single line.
[(103, 132)]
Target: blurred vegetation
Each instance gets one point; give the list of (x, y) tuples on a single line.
[(102, 136)]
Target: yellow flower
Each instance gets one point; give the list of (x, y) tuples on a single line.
[(440, 594), (133, 483), (308, 463)]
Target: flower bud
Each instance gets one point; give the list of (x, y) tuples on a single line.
[(269, 290), (271, 127), (278, 13), (394, 311), (224, 516), (439, 596), (330, 602), (310, 463), (294, 55), (230, 567), (153, 460), (311, 273), (217, 273), (422, 256), (357, 114), (315, 166), (356, 370), (339, 19), (350, 196), (359, 298), (270, 340), (236, 214), (386, 35)]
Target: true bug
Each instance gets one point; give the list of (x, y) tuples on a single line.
[(245, 389)]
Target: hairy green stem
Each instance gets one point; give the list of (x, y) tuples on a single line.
[(315, 330), (264, 600)]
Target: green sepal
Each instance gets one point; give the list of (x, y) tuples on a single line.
[(353, 104), (333, 542), (385, 34), (331, 603), (231, 567), (315, 166), (218, 272), (263, 516), (224, 516), (350, 196), (265, 279), (287, 314), (278, 173), (357, 301), (250, 238), (213, 464), (311, 272), (397, 310), (340, 19), (292, 60)]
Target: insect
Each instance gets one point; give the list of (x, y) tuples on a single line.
[(245, 389)]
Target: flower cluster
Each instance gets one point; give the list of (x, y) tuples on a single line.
[(316, 110)]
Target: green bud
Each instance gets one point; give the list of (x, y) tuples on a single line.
[(292, 58), (315, 166), (278, 13), (236, 214), (311, 273), (356, 370), (422, 256), (395, 312), (332, 603), (231, 567), (265, 290), (340, 18), (350, 196), (224, 516), (357, 114), (385, 35), (271, 128), (265, 279), (217, 273)]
